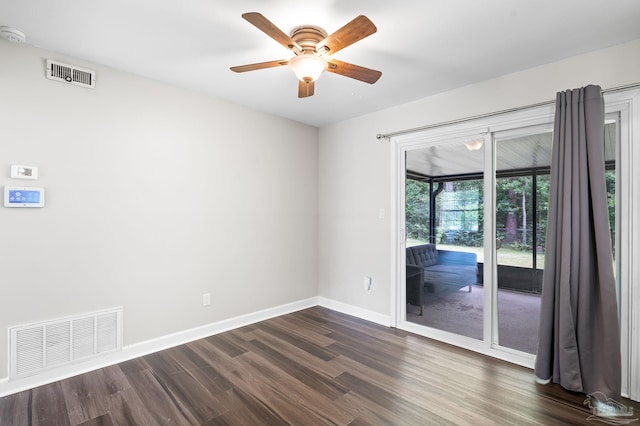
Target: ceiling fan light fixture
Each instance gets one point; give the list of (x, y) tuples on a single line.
[(308, 67)]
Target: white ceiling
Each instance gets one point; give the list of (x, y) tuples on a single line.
[(422, 47)]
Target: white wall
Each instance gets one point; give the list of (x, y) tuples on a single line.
[(154, 196), (355, 166)]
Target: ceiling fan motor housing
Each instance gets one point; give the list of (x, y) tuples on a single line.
[(308, 36)]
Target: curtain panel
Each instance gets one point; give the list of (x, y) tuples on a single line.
[(579, 338)]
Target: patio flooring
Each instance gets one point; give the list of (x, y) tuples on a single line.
[(461, 313)]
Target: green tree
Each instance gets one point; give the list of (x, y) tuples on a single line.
[(542, 210), (511, 194), (417, 209), (610, 178)]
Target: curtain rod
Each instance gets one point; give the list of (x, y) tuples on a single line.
[(388, 136)]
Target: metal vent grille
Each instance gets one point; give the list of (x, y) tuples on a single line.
[(37, 347), (70, 74)]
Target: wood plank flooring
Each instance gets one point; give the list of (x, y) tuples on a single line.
[(312, 367)]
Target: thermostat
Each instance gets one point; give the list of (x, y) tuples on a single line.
[(23, 196)]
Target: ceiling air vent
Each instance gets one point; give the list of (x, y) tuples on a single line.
[(70, 74)]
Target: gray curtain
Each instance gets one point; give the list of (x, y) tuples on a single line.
[(579, 339)]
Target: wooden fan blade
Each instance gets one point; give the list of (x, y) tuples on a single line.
[(356, 30), (267, 27), (353, 71), (259, 66), (305, 89)]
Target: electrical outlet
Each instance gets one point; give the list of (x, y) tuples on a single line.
[(206, 299), (368, 282)]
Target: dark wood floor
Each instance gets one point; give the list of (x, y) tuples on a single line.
[(311, 367)]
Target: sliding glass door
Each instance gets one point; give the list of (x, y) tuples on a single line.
[(471, 229), (452, 285), (459, 285), (474, 208)]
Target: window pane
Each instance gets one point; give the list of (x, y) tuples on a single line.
[(417, 211), (444, 222), (522, 191)]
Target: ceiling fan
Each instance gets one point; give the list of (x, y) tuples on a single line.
[(313, 49)]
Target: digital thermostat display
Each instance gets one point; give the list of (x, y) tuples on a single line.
[(23, 197)]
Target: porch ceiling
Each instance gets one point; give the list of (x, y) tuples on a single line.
[(513, 153)]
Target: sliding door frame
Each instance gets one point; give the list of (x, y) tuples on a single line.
[(627, 103), (452, 134)]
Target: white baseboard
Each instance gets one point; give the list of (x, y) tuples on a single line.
[(355, 311), (128, 352)]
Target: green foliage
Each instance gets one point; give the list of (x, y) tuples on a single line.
[(417, 209), (542, 197), (509, 197), (509, 201), (463, 238), (519, 246), (610, 178)]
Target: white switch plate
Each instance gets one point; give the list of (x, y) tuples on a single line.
[(206, 299), (24, 172)]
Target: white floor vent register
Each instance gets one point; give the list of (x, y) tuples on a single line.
[(38, 347)]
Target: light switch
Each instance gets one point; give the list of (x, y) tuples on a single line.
[(24, 172)]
